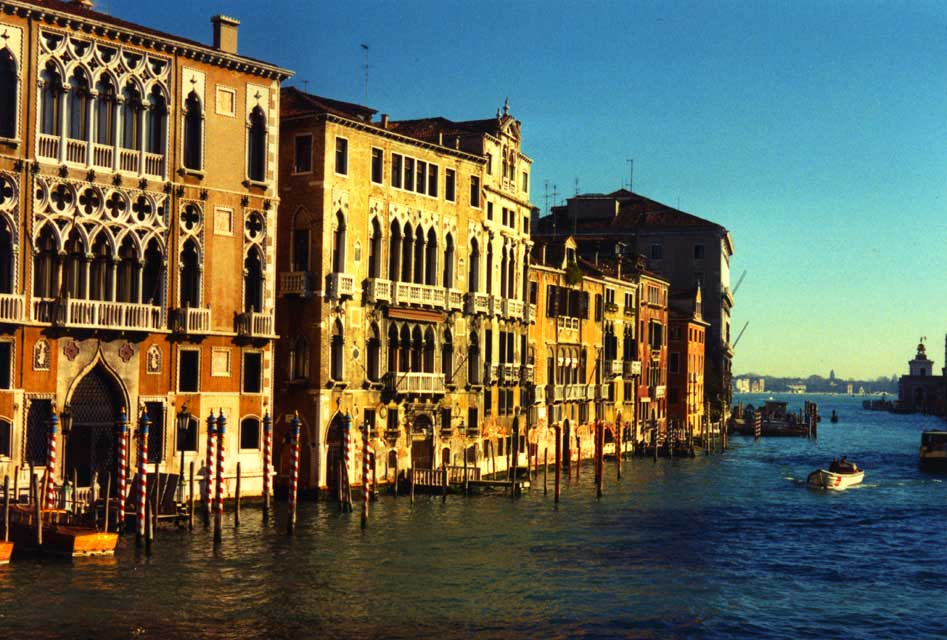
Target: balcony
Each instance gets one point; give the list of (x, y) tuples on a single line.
[(295, 283), (575, 391), (532, 314), (660, 391), (100, 156), (98, 314), (423, 295), (496, 306), (590, 391), (76, 151), (510, 373), (632, 368), (378, 290), (539, 394), (613, 368), (567, 322), (491, 373), (48, 146), (611, 307), (558, 392), (188, 321), (455, 300), (254, 324), (604, 391), (11, 307), (339, 286), (477, 303), (409, 382), (526, 373), (513, 308), (629, 311)]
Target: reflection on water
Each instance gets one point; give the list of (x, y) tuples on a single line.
[(716, 546)]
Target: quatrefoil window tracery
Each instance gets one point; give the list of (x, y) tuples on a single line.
[(116, 205), (7, 193), (190, 218), (62, 197), (90, 201), (142, 208), (254, 227)]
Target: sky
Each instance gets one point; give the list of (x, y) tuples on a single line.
[(815, 132)]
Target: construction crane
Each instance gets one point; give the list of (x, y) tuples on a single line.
[(739, 282), (740, 335)]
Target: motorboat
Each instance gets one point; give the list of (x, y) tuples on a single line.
[(840, 475), (933, 454)]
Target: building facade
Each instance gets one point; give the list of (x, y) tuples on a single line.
[(686, 340), (125, 218), (401, 304)]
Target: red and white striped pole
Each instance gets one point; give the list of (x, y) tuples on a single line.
[(209, 461), (122, 467), (347, 456), (51, 461), (293, 473), (366, 454), (267, 462), (143, 425), (219, 515)]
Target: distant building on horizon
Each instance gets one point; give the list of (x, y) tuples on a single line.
[(920, 391)]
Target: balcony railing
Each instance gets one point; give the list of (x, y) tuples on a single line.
[(254, 324), (532, 314), (188, 321), (154, 164), (378, 290), (102, 155), (11, 307), (660, 391), (575, 391), (526, 373), (496, 305), (613, 367), (567, 322), (455, 300), (340, 285), (477, 303), (632, 368), (48, 146), (491, 372), (558, 392), (604, 391), (128, 160), (418, 294), (416, 383), (611, 307), (629, 311), (295, 283), (98, 314), (539, 394), (513, 308), (76, 151)]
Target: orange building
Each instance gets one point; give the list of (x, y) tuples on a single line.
[(137, 225), (652, 352), (685, 394)]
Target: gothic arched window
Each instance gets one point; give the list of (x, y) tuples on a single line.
[(473, 276), (419, 256), (79, 101), (131, 118), (336, 355), (100, 269), (8, 91), (193, 131), (429, 349), (448, 262), (129, 272), (46, 266), (256, 146), (105, 105), (374, 251), (190, 275), (74, 272), (338, 244), (473, 360), (447, 357), (373, 354), (157, 122), (394, 251), (430, 260), (299, 359), (253, 281), (7, 264), (407, 246), (151, 274), (51, 112)]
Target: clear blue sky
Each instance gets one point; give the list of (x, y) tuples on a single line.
[(814, 131)]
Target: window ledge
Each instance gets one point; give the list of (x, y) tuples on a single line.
[(195, 173), (10, 142), (256, 183)]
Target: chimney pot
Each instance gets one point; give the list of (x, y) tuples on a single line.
[(88, 4), (225, 33), (384, 121)]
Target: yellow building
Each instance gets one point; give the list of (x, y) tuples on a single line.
[(138, 199), (401, 299)]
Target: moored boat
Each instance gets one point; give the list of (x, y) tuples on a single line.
[(840, 475), (933, 454), (6, 550), (60, 539)]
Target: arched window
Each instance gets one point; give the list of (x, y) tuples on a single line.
[(490, 268), (407, 245), (300, 245), (336, 371), (100, 269), (131, 118), (129, 272), (418, 256), (250, 433), (79, 105), (51, 113), (448, 262), (190, 275), (393, 348), (394, 251), (105, 104), (504, 265), (417, 350), (74, 272), (511, 274), (473, 276), (299, 359), (447, 357), (404, 360), (430, 261), (46, 266), (338, 244), (256, 146), (7, 264), (429, 349), (193, 131), (373, 354), (374, 251), (473, 360), (6, 438), (157, 122), (253, 281), (8, 90), (151, 274)]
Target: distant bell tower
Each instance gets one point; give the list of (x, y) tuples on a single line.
[(921, 365)]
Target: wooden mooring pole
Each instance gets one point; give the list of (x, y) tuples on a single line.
[(558, 430), (190, 491), (236, 500), (619, 452), (293, 474), (365, 463), (444, 480), (6, 508), (108, 494), (38, 512), (412, 483), (545, 469), (219, 507)]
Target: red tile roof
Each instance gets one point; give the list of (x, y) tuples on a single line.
[(294, 102)]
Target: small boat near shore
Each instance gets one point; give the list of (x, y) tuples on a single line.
[(70, 540), (933, 453), (840, 475)]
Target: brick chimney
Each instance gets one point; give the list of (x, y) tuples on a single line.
[(88, 4), (225, 33)]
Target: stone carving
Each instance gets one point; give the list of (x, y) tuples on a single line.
[(41, 355), (153, 364)]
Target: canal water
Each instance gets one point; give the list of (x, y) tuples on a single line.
[(720, 546)]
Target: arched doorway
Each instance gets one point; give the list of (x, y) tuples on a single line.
[(96, 404), (422, 450), (335, 461)]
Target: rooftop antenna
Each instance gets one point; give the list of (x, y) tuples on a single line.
[(575, 222), (555, 193), (365, 47), (739, 282), (546, 196), (631, 173), (306, 86)]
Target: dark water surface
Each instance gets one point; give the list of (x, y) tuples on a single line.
[(712, 547)]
